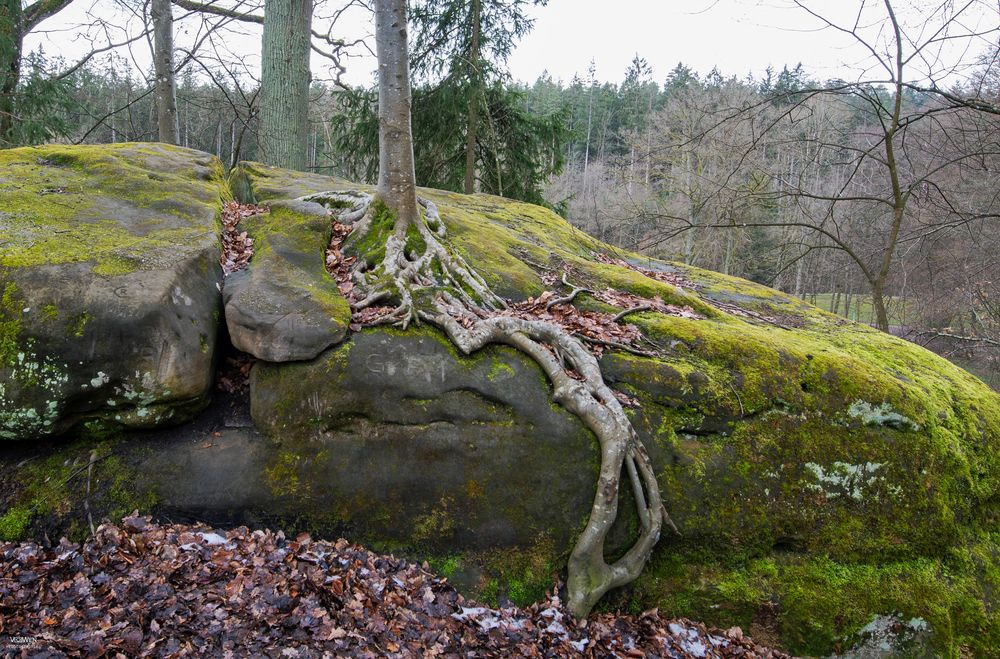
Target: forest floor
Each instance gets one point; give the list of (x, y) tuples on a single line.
[(140, 588)]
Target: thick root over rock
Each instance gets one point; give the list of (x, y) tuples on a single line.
[(438, 287)]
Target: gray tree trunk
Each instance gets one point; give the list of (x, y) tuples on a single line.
[(590, 125), (284, 90), (396, 178), (472, 127), (163, 63)]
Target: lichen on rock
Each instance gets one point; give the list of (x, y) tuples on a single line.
[(110, 281)]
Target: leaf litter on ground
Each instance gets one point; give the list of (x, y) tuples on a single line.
[(145, 589)]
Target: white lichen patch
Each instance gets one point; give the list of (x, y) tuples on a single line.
[(891, 636), (880, 415), (46, 379), (140, 393), (178, 297), (843, 478)]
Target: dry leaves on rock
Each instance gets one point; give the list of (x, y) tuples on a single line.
[(783, 321), (629, 301), (172, 591), (672, 278), (237, 247), (597, 326), (368, 316), (339, 266)]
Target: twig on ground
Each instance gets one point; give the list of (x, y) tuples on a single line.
[(739, 400), (614, 344), (86, 500)]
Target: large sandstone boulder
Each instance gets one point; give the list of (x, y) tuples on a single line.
[(823, 475), (800, 454), (110, 282), (413, 444)]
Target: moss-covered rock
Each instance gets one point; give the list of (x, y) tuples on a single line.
[(823, 475), (784, 437), (399, 438), (109, 275), (284, 306)]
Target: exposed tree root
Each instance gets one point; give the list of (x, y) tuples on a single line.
[(576, 290), (439, 288), (636, 309)]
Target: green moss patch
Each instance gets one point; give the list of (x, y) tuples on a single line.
[(14, 523), (813, 605), (47, 493), (70, 204), (371, 246)]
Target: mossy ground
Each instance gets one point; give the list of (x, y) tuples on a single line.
[(814, 605), (46, 493)]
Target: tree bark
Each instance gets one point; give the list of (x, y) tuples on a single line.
[(468, 322), (11, 40), (590, 125), (878, 305), (163, 63), (284, 96), (475, 80), (396, 177)]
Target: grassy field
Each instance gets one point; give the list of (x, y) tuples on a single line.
[(862, 310)]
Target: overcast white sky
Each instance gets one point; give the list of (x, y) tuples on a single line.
[(739, 37)]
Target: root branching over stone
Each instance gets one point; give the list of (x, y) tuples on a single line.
[(427, 282)]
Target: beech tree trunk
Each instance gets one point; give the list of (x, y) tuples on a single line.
[(163, 63), (590, 125), (285, 77), (396, 177), (465, 308), (881, 314)]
